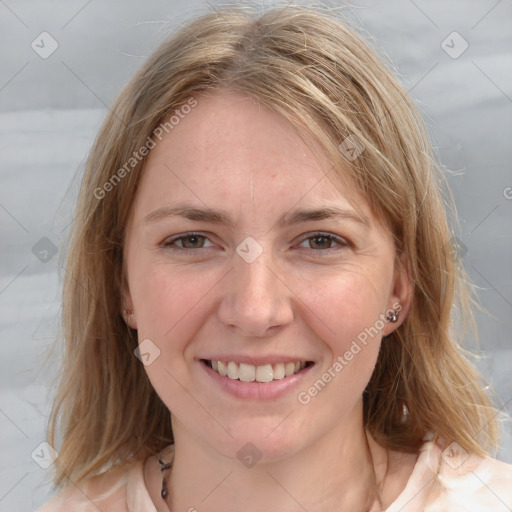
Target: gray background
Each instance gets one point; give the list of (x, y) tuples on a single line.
[(52, 108)]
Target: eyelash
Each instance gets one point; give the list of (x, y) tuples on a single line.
[(342, 243)]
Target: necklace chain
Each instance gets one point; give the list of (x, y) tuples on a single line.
[(165, 466)]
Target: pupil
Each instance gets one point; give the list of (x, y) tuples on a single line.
[(321, 240), (192, 240)]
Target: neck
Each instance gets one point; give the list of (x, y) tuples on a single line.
[(344, 470)]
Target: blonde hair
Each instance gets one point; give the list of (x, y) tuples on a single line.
[(326, 81)]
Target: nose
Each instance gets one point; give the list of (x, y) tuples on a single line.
[(256, 302)]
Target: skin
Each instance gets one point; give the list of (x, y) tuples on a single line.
[(303, 296)]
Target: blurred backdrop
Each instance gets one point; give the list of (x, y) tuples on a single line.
[(64, 62)]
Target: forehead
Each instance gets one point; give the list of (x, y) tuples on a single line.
[(229, 150)]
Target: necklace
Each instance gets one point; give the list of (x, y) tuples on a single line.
[(165, 466)]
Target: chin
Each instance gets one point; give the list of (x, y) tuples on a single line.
[(268, 439)]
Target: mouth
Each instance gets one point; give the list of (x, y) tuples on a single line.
[(265, 373)]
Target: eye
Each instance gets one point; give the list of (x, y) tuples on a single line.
[(189, 241), (319, 242), (324, 242)]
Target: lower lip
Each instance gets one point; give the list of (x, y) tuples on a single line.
[(256, 390)]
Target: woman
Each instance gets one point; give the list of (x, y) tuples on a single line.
[(260, 289)]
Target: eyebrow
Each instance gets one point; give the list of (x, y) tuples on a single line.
[(287, 219)]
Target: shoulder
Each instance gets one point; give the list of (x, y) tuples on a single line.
[(474, 483), (449, 478), (121, 489)]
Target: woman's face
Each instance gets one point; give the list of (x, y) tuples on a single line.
[(242, 257)]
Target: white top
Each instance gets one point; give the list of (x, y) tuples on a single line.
[(441, 481)]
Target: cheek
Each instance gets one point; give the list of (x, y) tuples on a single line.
[(171, 307), (347, 314), (169, 302), (345, 306), (164, 299)]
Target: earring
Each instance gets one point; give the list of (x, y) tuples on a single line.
[(392, 316), (405, 413), (127, 313)]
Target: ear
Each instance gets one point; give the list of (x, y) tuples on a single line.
[(401, 294), (128, 311)]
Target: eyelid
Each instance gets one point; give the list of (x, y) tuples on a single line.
[(167, 242), (341, 241)]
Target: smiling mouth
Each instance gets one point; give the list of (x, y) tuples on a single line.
[(251, 373)]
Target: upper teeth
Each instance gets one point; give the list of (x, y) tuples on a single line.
[(249, 372)]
